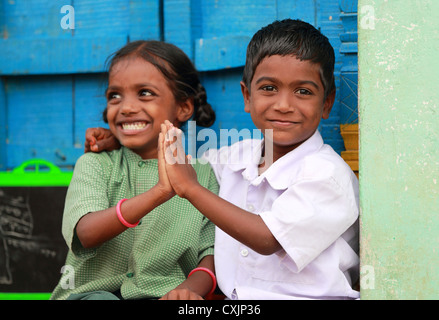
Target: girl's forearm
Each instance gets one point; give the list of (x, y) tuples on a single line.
[(240, 224), (95, 228)]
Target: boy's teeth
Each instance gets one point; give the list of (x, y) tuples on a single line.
[(133, 125)]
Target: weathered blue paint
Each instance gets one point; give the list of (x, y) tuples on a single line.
[(3, 125), (349, 58), (51, 80)]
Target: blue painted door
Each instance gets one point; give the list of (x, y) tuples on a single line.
[(215, 34), (52, 78), (51, 81)]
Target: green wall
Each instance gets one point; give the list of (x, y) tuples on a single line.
[(399, 148)]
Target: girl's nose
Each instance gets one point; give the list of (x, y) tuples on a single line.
[(129, 107)]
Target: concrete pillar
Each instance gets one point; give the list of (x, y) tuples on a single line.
[(399, 148)]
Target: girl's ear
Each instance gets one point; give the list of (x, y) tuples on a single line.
[(246, 96), (327, 106), (185, 110)]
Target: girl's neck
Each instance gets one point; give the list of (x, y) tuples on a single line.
[(146, 155)]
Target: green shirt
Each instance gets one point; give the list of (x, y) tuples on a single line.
[(143, 262)]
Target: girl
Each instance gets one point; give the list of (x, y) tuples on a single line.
[(129, 237)]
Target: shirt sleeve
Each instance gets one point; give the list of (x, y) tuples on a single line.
[(310, 215), (87, 192)]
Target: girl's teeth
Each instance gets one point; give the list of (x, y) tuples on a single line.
[(134, 126)]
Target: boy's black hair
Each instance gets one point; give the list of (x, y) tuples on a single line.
[(296, 38), (177, 68)]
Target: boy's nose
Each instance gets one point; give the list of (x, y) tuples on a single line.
[(284, 104)]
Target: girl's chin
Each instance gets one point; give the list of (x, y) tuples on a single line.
[(140, 147)]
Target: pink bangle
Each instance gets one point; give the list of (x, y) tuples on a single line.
[(210, 274), (121, 219)]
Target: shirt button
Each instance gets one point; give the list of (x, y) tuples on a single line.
[(141, 164), (130, 275), (250, 207), (244, 252)]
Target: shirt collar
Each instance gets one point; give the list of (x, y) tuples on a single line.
[(131, 156), (248, 153), (281, 173)]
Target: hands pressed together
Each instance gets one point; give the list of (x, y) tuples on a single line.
[(176, 173), (176, 177)]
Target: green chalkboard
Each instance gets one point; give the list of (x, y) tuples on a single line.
[(32, 250)]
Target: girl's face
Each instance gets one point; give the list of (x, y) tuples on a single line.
[(139, 100)]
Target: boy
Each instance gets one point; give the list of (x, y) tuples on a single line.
[(286, 228)]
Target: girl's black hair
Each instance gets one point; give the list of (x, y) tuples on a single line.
[(296, 38), (177, 68)]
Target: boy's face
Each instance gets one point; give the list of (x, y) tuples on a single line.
[(287, 96)]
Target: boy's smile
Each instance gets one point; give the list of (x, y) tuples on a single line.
[(287, 96)]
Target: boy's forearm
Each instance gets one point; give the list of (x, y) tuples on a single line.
[(242, 225), (200, 282)]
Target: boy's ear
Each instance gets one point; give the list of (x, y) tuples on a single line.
[(327, 106), (185, 110), (246, 96)]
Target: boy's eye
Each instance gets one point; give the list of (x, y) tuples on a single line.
[(303, 92), (268, 88)]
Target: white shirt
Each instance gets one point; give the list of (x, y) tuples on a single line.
[(309, 201)]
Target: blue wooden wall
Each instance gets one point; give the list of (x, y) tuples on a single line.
[(52, 79)]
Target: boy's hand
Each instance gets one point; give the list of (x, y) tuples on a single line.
[(181, 294), (178, 167), (100, 139)]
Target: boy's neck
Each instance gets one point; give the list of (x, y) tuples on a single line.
[(267, 157), (270, 154)]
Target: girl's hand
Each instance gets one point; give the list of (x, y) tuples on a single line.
[(164, 185), (178, 167), (100, 139), (181, 294)]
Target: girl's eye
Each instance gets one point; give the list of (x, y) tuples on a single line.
[(304, 92), (113, 96), (145, 93)]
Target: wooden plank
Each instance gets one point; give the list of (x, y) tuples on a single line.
[(56, 56), (32, 34), (233, 18), (348, 6), (177, 24), (220, 53), (30, 19), (90, 102), (40, 122), (93, 18), (144, 20), (305, 10), (3, 125)]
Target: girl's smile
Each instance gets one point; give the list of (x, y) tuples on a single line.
[(133, 127), (139, 100)]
